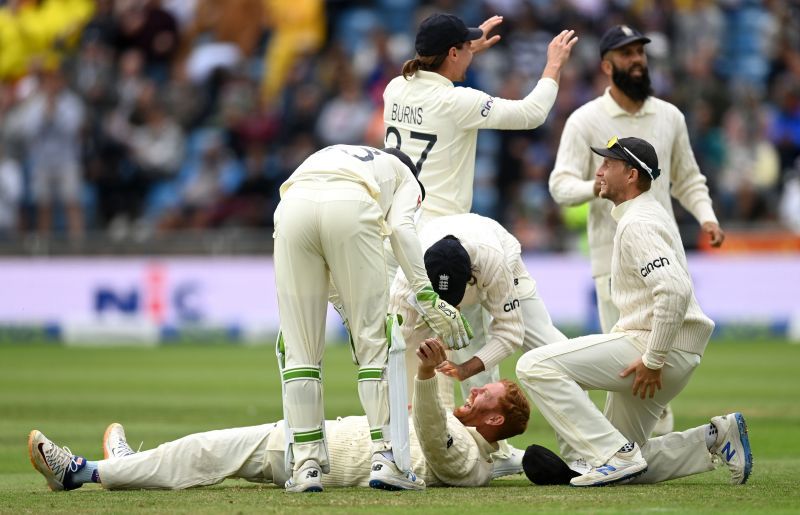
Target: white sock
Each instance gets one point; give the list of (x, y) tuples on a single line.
[(711, 436), (388, 454)]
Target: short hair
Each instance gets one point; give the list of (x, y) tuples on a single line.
[(428, 63), (643, 179), (515, 408)]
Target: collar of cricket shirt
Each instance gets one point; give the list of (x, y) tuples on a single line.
[(617, 212), (484, 446), (436, 77), (613, 109)]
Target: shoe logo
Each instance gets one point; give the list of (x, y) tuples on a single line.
[(377, 467), (40, 447), (728, 452), (312, 473), (606, 469)]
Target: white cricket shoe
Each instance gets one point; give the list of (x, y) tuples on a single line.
[(307, 479), (624, 465), (512, 464), (580, 466), (733, 446), (53, 462), (665, 424), (386, 476), (114, 443)]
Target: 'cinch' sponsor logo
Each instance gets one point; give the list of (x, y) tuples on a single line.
[(657, 263), (511, 306), (487, 106)]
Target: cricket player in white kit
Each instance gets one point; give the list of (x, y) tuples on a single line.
[(653, 349), (447, 448), (436, 123), (627, 107), (335, 211), (471, 261)]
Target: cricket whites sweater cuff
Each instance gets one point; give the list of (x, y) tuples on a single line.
[(492, 354), (703, 212), (661, 339)]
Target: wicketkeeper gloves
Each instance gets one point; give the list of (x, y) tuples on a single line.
[(445, 320)]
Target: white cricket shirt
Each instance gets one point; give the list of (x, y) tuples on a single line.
[(593, 124), (437, 124), (493, 252), (650, 283)]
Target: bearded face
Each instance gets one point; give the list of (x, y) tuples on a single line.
[(634, 81)]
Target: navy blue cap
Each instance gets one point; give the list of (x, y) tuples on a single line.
[(619, 36), (439, 32), (449, 268)]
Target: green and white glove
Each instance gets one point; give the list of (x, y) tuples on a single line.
[(445, 320)]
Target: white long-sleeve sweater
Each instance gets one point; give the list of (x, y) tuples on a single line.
[(650, 283), (594, 123), (493, 252)]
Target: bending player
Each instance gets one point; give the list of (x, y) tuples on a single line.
[(472, 261), (334, 212), (447, 448)]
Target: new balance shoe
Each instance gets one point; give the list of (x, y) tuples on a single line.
[(626, 464), (386, 476), (307, 479), (665, 424), (733, 446), (53, 462), (115, 444), (512, 464)]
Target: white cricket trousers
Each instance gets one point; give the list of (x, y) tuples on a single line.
[(200, 459), (330, 231), (556, 375)]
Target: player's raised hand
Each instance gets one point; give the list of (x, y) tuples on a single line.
[(479, 45), (431, 353), (558, 52)]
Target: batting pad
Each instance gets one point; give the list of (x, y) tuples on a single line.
[(303, 413), (373, 391)]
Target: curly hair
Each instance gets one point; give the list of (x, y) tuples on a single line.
[(516, 410)]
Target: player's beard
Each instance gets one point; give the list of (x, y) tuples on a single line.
[(635, 88)]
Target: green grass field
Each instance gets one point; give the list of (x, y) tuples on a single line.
[(71, 394)]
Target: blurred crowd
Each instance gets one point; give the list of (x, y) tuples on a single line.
[(142, 117)]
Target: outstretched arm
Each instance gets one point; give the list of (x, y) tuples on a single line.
[(449, 448)]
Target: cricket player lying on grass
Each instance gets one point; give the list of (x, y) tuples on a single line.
[(447, 449)]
